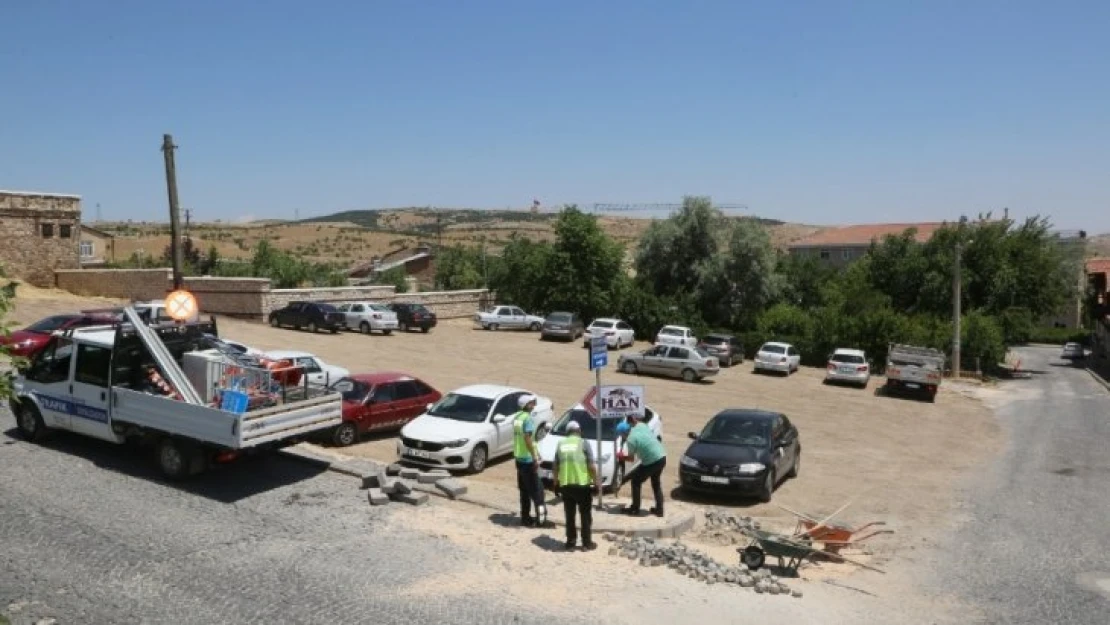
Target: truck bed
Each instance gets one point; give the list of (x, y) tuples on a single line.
[(226, 429)]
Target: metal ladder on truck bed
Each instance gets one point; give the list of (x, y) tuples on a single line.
[(163, 357)]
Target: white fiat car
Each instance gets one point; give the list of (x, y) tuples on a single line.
[(612, 471), (469, 426)]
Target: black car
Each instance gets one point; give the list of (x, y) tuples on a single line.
[(310, 315), (411, 315), (562, 325), (742, 451), (727, 348)]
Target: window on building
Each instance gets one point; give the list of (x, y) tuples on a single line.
[(824, 254), (47, 231), (65, 231), (846, 254), (86, 249)]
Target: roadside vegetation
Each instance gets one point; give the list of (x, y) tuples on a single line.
[(715, 273)]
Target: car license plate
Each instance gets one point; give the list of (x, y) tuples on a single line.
[(417, 453), (912, 385), (847, 370), (712, 479), (545, 474)]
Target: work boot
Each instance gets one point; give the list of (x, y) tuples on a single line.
[(590, 546), (569, 546), (657, 512)]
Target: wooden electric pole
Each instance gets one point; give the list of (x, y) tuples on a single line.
[(175, 220)]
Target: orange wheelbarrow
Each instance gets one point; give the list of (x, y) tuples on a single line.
[(836, 536)]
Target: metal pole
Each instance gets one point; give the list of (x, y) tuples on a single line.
[(956, 314), (597, 400), (175, 219)]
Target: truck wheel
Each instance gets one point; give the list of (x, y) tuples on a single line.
[(364, 327), (179, 459), (345, 435), (30, 423), (535, 327), (478, 458)]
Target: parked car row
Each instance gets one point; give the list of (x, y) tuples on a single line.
[(365, 317)]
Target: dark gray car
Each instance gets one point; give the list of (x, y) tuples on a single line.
[(566, 326), (727, 348)]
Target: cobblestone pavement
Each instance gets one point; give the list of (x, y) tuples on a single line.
[(91, 535)]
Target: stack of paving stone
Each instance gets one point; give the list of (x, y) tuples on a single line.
[(696, 565), (397, 483), (726, 528)]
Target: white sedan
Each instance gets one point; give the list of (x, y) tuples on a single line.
[(617, 333), (775, 356), (369, 317), (612, 471), (319, 372), (468, 426)]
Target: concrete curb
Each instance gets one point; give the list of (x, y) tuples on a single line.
[(357, 468), (1098, 378)]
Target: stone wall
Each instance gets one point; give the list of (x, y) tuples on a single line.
[(39, 233), (252, 298)]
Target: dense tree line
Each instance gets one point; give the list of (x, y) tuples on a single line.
[(711, 272)]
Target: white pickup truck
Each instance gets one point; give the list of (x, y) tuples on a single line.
[(125, 382), (508, 317)]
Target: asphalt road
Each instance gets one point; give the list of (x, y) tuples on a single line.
[(90, 535), (1035, 547)]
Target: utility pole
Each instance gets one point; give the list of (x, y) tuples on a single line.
[(175, 221), (98, 212), (188, 216), (956, 295)]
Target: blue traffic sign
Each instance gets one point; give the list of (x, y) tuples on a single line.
[(599, 352)]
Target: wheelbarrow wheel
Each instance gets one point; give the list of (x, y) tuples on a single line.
[(753, 557)]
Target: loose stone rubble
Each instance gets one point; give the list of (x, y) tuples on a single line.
[(696, 565), (726, 528), (394, 483)]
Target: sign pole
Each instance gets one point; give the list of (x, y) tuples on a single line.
[(597, 391)]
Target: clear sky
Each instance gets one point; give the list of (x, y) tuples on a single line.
[(818, 112)]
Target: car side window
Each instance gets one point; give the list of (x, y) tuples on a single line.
[(383, 393), (93, 363), (507, 405), (406, 390), (678, 353), (358, 308), (51, 365), (518, 312), (310, 365), (421, 388), (623, 326)]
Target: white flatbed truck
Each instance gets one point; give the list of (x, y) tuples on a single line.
[(89, 381)]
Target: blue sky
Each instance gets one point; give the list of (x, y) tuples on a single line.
[(818, 112)]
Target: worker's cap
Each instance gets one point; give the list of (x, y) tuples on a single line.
[(525, 400), (574, 426), (623, 428)]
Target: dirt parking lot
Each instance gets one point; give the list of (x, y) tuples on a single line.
[(896, 459)]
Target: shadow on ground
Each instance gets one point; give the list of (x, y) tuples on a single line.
[(227, 483)]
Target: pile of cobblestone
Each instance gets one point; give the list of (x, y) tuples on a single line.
[(397, 483), (726, 528), (696, 565)]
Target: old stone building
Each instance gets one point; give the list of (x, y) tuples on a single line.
[(39, 232), (97, 247)]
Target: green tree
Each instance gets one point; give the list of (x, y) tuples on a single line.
[(521, 278), (676, 254), (394, 277), (459, 267), (8, 362), (584, 267)]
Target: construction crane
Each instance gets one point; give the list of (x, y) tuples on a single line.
[(666, 209)]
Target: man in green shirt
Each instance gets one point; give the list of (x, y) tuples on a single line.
[(527, 459), (574, 471), (643, 444)]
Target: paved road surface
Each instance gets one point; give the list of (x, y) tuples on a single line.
[(1036, 547), (90, 535)]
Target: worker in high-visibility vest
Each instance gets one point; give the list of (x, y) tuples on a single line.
[(576, 479), (527, 460)]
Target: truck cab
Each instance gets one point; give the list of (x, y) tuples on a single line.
[(125, 381)]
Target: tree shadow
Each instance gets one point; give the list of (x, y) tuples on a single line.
[(226, 483)]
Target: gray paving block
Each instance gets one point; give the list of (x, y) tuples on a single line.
[(401, 487), (377, 497), (389, 484), (372, 479), (410, 473), (433, 476), (452, 487), (414, 499), (393, 469)]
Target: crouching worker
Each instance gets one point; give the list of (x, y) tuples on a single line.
[(576, 479)]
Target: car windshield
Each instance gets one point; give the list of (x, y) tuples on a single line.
[(715, 339), (601, 324), (352, 390), (773, 349), (854, 359), (48, 325), (559, 317), (462, 408), (733, 430), (588, 423), (671, 332), (380, 308)]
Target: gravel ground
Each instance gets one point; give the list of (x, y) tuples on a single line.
[(91, 536), (1031, 545)]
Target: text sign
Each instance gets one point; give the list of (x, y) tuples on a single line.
[(615, 401), (599, 352)]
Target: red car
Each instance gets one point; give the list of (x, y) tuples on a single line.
[(374, 402), (28, 341)]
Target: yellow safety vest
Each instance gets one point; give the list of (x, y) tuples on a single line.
[(574, 470)]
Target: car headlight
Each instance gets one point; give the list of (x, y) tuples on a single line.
[(687, 461), (457, 443), (750, 468)]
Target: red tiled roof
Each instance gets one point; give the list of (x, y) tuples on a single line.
[(1098, 265), (864, 234)]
